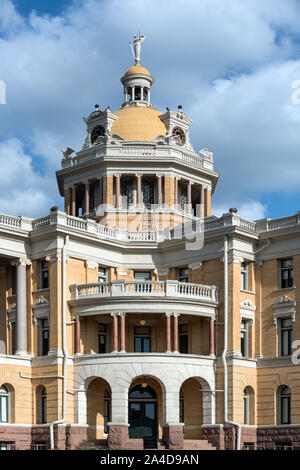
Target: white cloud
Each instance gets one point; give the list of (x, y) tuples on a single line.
[(251, 210)]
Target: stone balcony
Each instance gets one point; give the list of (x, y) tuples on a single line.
[(146, 296)]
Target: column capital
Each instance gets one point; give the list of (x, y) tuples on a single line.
[(21, 262), (114, 315), (117, 175), (159, 175), (53, 258), (121, 314), (138, 175), (168, 314), (176, 314), (86, 182)]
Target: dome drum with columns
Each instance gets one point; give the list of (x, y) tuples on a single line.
[(140, 153)]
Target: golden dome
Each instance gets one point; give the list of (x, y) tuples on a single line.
[(138, 123), (137, 69)]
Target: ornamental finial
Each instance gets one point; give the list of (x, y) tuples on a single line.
[(136, 46)]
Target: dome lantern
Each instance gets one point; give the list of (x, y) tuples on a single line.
[(137, 80)]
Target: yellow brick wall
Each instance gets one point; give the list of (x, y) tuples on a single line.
[(193, 409)]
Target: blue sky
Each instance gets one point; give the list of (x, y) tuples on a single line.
[(231, 64), (51, 7)]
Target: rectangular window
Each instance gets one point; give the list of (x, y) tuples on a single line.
[(4, 409), (44, 337), (44, 275), (244, 338), (102, 274), (142, 339), (102, 338), (285, 410), (183, 275), (13, 338), (286, 337), (183, 339), (142, 275), (143, 285), (244, 276), (7, 445), (286, 273)]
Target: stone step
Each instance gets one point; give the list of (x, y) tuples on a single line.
[(93, 444), (198, 444)]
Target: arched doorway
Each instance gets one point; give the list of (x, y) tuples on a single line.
[(142, 412), (195, 405), (98, 408)]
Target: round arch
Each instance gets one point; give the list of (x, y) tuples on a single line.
[(196, 406), (7, 398), (98, 407)]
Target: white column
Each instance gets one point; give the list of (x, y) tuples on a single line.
[(21, 317), (119, 405)]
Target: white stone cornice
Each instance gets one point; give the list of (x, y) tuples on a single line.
[(247, 309), (91, 264), (284, 308), (41, 309), (195, 266)]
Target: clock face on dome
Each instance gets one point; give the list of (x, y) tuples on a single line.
[(178, 132)]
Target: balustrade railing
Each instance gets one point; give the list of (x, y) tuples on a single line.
[(146, 288), (152, 235)]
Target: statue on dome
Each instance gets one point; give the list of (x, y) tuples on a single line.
[(136, 46)]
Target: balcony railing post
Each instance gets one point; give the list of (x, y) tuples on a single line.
[(171, 288), (74, 291), (117, 287)]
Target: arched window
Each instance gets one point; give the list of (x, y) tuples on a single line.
[(41, 395), (140, 392), (107, 410), (4, 405), (246, 406), (284, 402), (97, 132)]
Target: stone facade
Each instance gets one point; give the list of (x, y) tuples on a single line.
[(114, 297)]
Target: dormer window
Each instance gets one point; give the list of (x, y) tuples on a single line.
[(98, 131), (178, 132)]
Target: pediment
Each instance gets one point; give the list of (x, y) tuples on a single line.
[(284, 302), (40, 302), (247, 305)]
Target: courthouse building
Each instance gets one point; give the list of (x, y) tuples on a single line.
[(135, 318)]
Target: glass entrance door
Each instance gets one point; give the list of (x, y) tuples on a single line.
[(142, 420), (142, 412)]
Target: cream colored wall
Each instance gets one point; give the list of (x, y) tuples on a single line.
[(193, 409)]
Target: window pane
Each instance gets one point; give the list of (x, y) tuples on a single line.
[(146, 345), (142, 275), (137, 344), (3, 409), (285, 410), (183, 328)]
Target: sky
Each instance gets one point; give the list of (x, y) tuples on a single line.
[(232, 65)]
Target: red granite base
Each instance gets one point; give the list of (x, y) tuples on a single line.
[(117, 437), (25, 438), (173, 436)]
